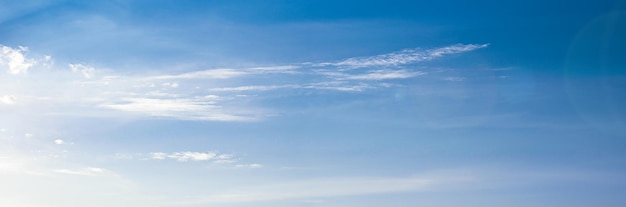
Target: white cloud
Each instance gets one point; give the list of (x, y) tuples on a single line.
[(193, 156), (158, 155), (28, 135), (7, 99), (160, 106), (15, 60), (59, 141), (225, 156), (253, 166), (185, 156), (173, 85), (406, 56), (87, 71), (90, 171)]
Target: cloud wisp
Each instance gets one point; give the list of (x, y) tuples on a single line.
[(195, 108), (221, 159), (406, 56), (225, 94), (90, 171), (190, 156)]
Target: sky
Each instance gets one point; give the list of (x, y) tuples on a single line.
[(312, 103)]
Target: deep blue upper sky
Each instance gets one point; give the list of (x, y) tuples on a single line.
[(541, 31)]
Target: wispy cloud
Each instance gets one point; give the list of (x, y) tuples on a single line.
[(256, 88), (254, 165), (339, 86), (191, 109), (214, 73), (221, 159), (383, 75), (226, 73), (90, 171), (406, 56), (184, 156), (276, 69)]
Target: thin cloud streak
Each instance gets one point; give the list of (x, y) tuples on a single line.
[(227, 73), (406, 56), (90, 171), (184, 109), (187, 156), (383, 75), (191, 156), (214, 73), (255, 88)]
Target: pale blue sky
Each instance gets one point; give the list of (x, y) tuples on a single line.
[(312, 103)]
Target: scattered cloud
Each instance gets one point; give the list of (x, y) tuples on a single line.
[(59, 141), (14, 59), (87, 71)]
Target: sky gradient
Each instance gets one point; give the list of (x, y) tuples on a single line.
[(312, 103)]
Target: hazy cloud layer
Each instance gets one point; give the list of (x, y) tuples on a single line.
[(204, 95)]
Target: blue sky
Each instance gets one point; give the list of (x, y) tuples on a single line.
[(312, 103)]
